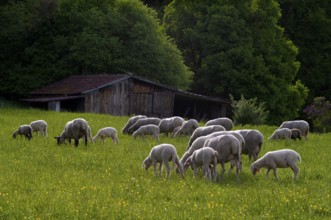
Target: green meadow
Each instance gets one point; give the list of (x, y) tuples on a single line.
[(41, 180)]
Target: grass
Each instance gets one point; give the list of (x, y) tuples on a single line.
[(40, 180)]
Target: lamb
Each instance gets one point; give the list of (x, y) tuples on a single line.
[(147, 130), (228, 149), (163, 153), (225, 122), (75, 129), (39, 125), (295, 134), (202, 131), (281, 133), (107, 132), (141, 122), (302, 125), (131, 121), (187, 128), (253, 142), (167, 125), (25, 130), (203, 158), (277, 159)]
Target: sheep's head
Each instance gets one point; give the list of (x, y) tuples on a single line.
[(188, 163), (254, 169), (59, 140), (14, 135), (147, 163)]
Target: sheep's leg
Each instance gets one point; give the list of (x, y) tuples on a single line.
[(207, 172), (154, 165), (275, 173), (160, 169), (195, 169), (237, 169), (85, 139), (295, 170), (223, 170), (267, 173), (76, 142), (166, 164)]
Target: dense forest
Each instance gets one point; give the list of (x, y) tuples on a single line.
[(277, 51)]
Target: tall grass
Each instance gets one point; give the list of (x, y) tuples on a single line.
[(40, 180)]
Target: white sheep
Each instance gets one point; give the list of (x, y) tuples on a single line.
[(25, 130), (281, 133), (167, 125), (162, 154), (228, 149), (187, 128), (143, 121), (75, 129), (302, 125), (107, 132), (227, 123), (253, 142), (277, 159), (203, 157), (130, 122), (147, 130), (200, 141), (202, 131), (39, 125)]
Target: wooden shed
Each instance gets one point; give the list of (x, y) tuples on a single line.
[(126, 95)]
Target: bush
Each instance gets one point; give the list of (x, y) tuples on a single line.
[(320, 114), (248, 111)]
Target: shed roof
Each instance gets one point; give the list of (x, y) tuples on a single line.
[(78, 85)]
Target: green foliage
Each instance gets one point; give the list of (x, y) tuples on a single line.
[(320, 113), (40, 180), (236, 47), (248, 111), (55, 39), (307, 24)]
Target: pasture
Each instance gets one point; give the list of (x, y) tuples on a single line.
[(40, 180)]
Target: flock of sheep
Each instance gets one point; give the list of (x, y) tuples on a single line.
[(209, 145)]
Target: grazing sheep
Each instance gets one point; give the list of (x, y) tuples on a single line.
[(302, 125), (39, 125), (200, 141), (25, 130), (187, 128), (295, 134), (202, 131), (141, 122), (107, 132), (75, 129), (162, 154), (203, 158), (281, 133), (228, 149), (253, 142), (167, 125), (131, 121), (277, 159), (147, 130), (225, 122)]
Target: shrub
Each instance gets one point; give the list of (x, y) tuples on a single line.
[(320, 114), (248, 111)]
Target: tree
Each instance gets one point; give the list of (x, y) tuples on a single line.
[(237, 47), (85, 37), (307, 23)]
